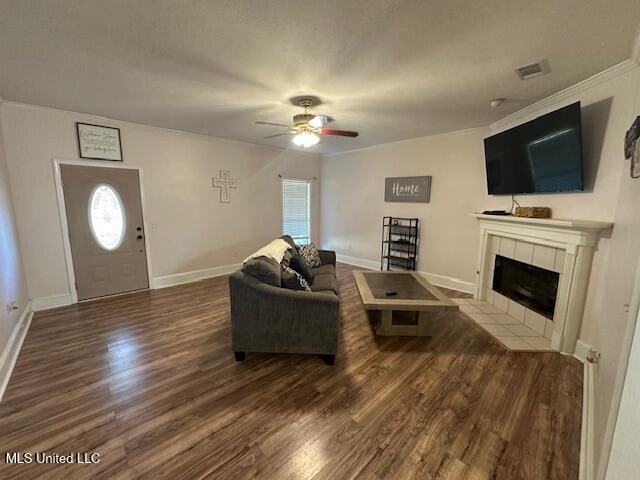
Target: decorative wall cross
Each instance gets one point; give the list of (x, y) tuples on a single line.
[(224, 183)]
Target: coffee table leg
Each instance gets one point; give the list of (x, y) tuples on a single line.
[(385, 326)]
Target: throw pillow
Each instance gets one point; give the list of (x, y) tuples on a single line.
[(300, 266), (293, 280), (289, 240), (286, 258), (264, 269), (310, 255)]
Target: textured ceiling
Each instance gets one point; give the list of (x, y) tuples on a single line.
[(390, 69)]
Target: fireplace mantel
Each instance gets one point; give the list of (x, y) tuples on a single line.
[(578, 239), (570, 224)]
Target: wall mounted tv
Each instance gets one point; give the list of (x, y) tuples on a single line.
[(540, 156)]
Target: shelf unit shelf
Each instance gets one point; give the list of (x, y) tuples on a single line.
[(399, 243)]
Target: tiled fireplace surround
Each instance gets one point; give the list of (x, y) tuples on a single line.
[(562, 246)]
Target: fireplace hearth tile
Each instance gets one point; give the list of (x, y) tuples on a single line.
[(515, 343), (496, 330), (468, 308), (482, 318), (507, 330), (489, 309), (522, 331), (504, 319), (473, 301), (539, 343), (460, 301)]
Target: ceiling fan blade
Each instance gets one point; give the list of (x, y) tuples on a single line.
[(274, 124), (278, 135), (341, 133)]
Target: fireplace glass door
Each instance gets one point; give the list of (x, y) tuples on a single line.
[(533, 287)]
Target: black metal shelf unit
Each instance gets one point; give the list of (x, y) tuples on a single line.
[(399, 243)]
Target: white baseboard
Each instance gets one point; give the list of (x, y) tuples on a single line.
[(358, 262), (194, 276), (450, 282), (587, 465), (52, 301), (437, 280), (12, 348)]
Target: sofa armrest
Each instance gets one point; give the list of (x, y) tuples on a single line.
[(327, 257)]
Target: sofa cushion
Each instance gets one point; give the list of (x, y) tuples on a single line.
[(322, 269), (323, 282), (293, 280), (300, 266), (264, 269), (310, 255)]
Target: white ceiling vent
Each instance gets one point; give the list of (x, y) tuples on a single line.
[(532, 70)]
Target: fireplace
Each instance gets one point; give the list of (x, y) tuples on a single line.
[(533, 287)]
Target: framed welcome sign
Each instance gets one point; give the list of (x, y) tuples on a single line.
[(407, 189), (97, 142)]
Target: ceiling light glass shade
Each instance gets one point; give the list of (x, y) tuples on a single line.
[(316, 122), (306, 139)]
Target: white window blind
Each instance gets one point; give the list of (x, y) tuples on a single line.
[(296, 208)]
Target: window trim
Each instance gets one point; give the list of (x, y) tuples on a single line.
[(309, 183)]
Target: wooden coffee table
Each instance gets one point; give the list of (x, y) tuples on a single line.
[(413, 293)]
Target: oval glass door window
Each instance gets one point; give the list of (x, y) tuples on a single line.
[(107, 217)]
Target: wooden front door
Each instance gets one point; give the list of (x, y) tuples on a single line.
[(106, 229)]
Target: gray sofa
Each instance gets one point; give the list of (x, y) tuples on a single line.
[(266, 317)]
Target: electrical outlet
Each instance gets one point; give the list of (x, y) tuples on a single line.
[(12, 306), (593, 356)]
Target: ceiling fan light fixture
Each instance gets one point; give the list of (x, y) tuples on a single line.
[(306, 139)]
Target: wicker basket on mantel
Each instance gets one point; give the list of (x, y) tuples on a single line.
[(533, 212)]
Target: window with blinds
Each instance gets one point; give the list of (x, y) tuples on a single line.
[(296, 210)]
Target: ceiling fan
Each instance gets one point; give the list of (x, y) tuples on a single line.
[(307, 128)]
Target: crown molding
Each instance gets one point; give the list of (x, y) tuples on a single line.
[(563, 95), (80, 116), (465, 131)]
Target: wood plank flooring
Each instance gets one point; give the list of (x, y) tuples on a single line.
[(149, 382)]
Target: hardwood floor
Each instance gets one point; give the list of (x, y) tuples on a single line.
[(149, 382)]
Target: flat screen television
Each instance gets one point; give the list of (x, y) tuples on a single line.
[(540, 156)]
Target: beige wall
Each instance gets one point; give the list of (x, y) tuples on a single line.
[(353, 200), (190, 230), (353, 206), (12, 281)]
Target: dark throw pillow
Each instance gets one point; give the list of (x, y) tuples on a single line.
[(310, 255), (293, 280), (300, 266), (264, 269), (289, 240)]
